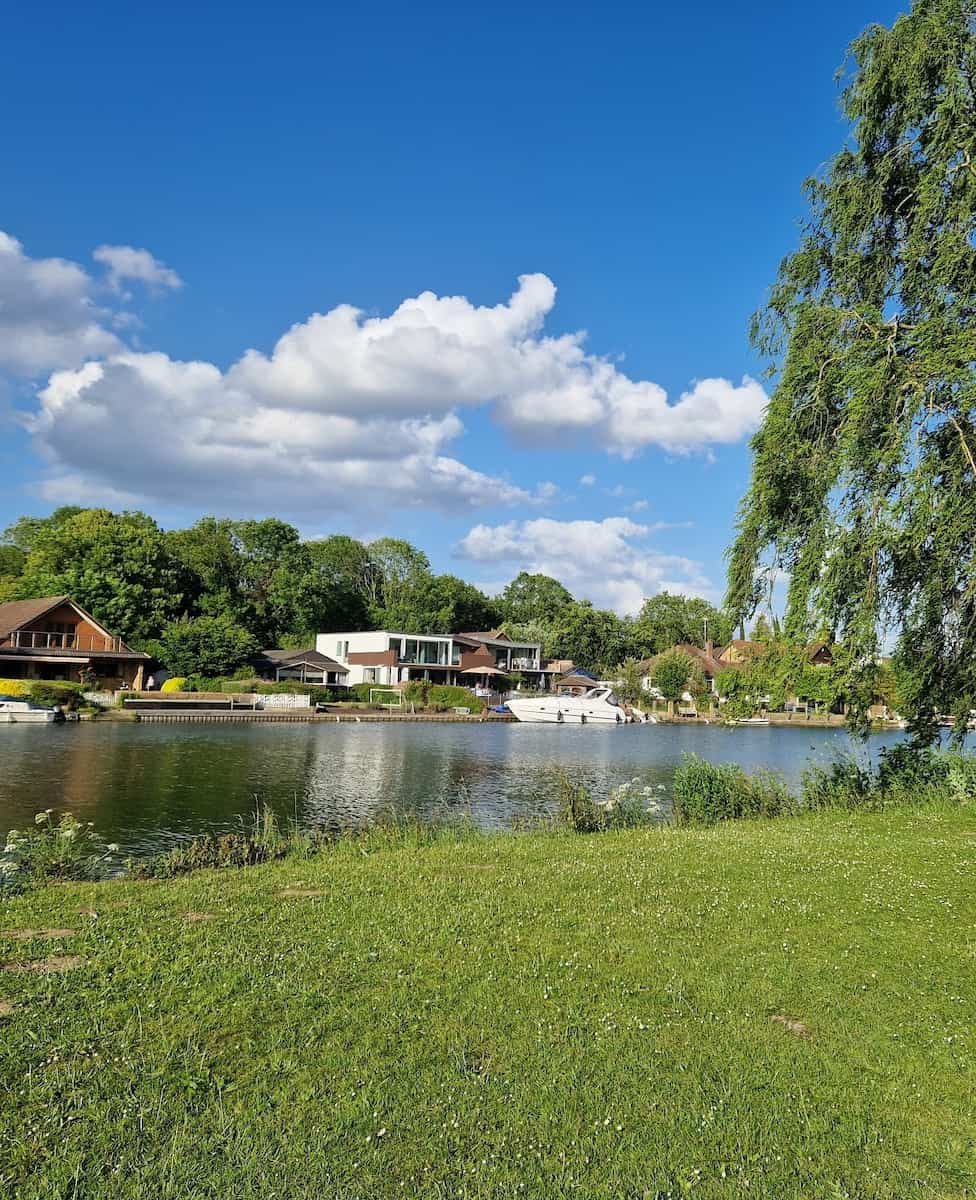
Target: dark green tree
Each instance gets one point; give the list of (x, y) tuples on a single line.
[(343, 572), (864, 477), (206, 646), (674, 672), (531, 599), (593, 638), (210, 554), (669, 618), (117, 565)]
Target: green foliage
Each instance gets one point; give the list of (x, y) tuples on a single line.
[(53, 693), (593, 638), (864, 479), (534, 599), (704, 793), (428, 603), (54, 848), (674, 672), (629, 686), (667, 619), (262, 841), (628, 806), (442, 697), (207, 645), (117, 566)]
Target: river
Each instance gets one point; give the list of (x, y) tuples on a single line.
[(145, 786)]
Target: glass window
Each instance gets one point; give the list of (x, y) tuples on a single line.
[(410, 654), (455, 654)]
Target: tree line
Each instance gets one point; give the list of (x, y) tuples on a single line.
[(207, 598)]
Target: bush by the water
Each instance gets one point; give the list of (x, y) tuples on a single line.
[(47, 693), (705, 793), (175, 683), (441, 697), (628, 806), (54, 848)]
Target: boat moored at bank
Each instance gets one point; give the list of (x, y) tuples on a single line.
[(598, 705), (14, 711)]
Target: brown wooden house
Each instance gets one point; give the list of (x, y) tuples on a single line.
[(55, 638)]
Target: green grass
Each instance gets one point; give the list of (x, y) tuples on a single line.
[(544, 1015)]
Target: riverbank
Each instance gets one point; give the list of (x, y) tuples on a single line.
[(767, 1008)]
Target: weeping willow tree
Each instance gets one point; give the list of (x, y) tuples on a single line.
[(864, 478)]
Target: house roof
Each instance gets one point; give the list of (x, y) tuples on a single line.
[(491, 635), (295, 658), (711, 664), (15, 614)]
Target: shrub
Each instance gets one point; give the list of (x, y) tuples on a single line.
[(14, 687), (175, 683), (210, 646), (54, 693), (263, 842), (62, 848), (628, 806), (705, 793), (442, 697)]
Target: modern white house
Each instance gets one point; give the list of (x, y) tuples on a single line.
[(387, 658)]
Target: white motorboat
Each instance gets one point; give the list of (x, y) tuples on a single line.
[(599, 705), (758, 721), (14, 711)]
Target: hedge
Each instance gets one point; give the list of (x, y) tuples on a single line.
[(15, 687)]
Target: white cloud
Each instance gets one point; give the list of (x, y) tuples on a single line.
[(587, 480), (128, 263), (47, 317), (606, 561), (638, 506), (146, 425), (345, 409)]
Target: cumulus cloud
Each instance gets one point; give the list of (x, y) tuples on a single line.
[(587, 480), (126, 263), (144, 424), (47, 316), (606, 561), (345, 408)]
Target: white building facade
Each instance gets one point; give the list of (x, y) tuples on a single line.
[(387, 658)]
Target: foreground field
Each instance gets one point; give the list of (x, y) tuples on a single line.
[(777, 1009)]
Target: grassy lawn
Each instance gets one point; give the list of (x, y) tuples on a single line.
[(778, 1009)]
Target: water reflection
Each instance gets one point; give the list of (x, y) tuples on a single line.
[(144, 785)]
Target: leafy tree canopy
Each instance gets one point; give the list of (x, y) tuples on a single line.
[(207, 646), (668, 618), (117, 566), (864, 477), (674, 672), (534, 598)]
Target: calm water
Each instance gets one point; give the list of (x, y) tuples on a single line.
[(145, 785)]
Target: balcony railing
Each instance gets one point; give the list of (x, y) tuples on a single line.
[(24, 639), (526, 664)]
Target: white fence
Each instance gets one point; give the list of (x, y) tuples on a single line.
[(283, 700)]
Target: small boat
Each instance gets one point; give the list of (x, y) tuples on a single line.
[(753, 721), (598, 705), (14, 711)]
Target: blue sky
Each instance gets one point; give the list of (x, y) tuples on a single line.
[(274, 163)]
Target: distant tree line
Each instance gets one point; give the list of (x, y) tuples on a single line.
[(208, 597)]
